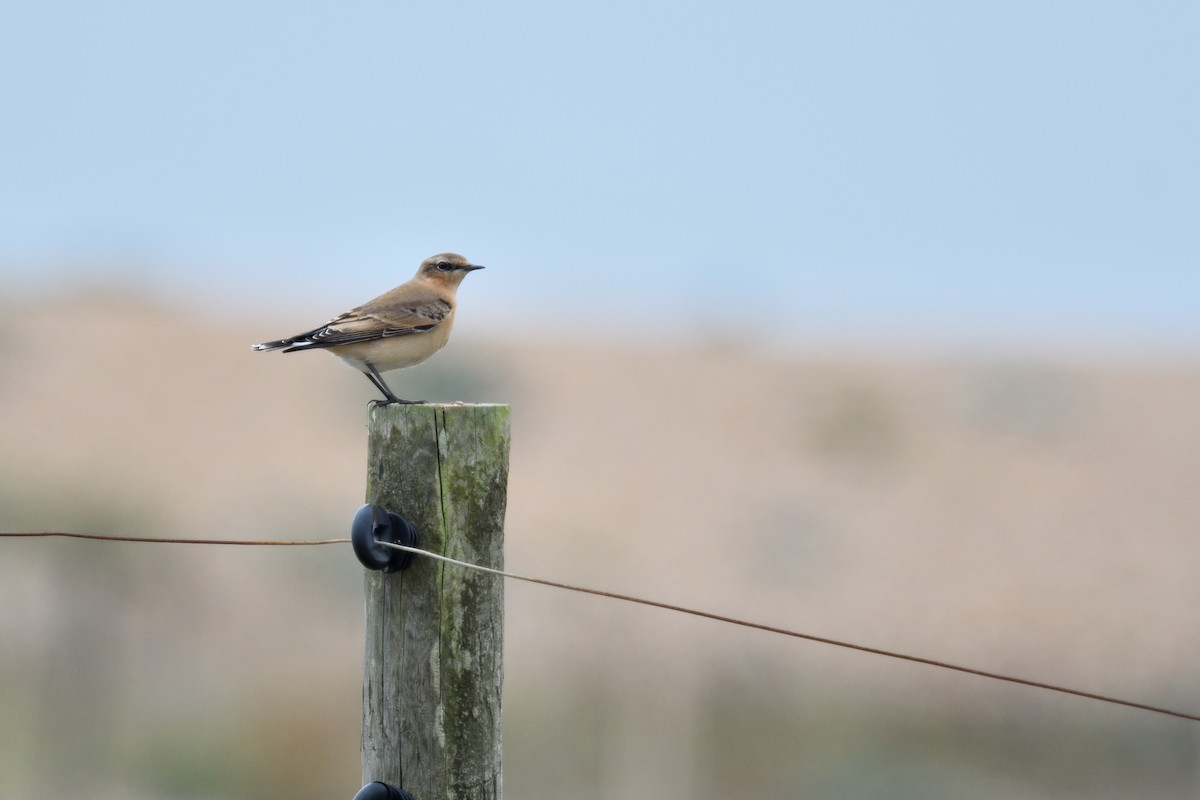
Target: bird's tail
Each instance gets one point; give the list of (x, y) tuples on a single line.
[(275, 345)]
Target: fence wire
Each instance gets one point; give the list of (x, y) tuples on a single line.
[(639, 601)]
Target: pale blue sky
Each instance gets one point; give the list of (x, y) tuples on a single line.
[(987, 171)]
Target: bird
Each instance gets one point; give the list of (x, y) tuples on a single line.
[(398, 329)]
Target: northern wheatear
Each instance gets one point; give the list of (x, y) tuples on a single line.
[(395, 330)]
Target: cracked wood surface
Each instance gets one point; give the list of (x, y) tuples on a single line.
[(433, 666)]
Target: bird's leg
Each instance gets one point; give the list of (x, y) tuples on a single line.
[(377, 379)]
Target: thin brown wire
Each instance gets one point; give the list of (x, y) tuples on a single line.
[(165, 540), (654, 604), (807, 636)]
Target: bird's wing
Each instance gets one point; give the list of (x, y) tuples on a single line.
[(381, 318)]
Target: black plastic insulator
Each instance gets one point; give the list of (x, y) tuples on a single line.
[(381, 791), (372, 525)]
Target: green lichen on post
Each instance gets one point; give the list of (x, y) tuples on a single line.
[(433, 667)]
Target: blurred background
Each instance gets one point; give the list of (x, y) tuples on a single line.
[(874, 320)]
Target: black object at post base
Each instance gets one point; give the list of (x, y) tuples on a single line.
[(381, 791), (372, 525)]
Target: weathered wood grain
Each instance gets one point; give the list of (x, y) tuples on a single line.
[(433, 666)]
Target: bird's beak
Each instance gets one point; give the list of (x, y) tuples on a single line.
[(471, 267)]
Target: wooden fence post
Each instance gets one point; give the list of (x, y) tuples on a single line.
[(433, 667)]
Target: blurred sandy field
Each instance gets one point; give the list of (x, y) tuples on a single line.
[(1030, 516)]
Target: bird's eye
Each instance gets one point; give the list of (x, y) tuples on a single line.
[(445, 266)]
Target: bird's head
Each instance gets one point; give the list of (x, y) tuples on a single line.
[(446, 268)]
